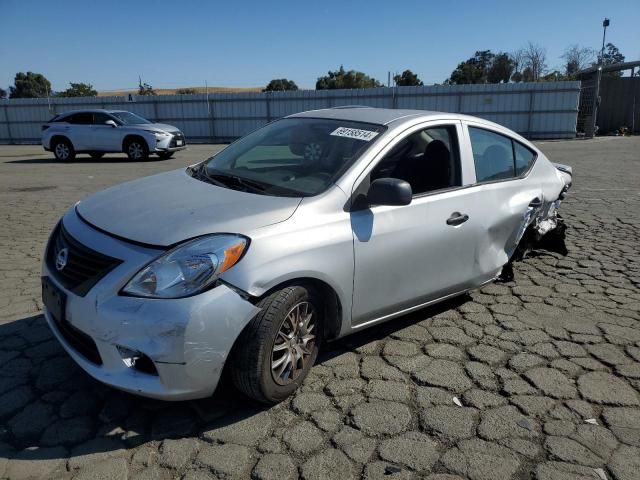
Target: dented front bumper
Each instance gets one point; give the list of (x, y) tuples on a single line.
[(186, 340)]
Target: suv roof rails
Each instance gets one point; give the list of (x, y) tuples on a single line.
[(350, 106)]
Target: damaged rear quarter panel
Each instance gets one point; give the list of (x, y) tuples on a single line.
[(503, 208)]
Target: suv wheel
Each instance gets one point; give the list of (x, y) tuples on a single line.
[(137, 149), (63, 150), (279, 346)]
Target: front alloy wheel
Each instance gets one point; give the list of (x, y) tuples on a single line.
[(294, 344), (278, 347), (63, 150), (137, 150)]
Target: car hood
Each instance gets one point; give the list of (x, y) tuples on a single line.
[(170, 207), (160, 127)]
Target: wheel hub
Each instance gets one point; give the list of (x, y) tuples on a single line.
[(294, 343)]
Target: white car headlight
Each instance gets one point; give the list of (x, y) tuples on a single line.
[(158, 134), (188, 269)]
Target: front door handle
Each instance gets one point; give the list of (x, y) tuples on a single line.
[(457, 218)]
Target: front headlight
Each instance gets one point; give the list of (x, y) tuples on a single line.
[(158, 134), (188, 269)]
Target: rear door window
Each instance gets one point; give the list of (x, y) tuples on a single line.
[(85, 118), (492, 155)]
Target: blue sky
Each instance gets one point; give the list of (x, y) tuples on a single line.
[(247, 43)]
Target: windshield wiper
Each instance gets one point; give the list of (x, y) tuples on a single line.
[(229, 180), (199, 172), (246, 183)]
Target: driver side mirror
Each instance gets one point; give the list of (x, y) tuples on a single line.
[(111, 122), (389, 191)]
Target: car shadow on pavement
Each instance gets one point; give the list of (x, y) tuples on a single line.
[(47, 401), (83, 159)]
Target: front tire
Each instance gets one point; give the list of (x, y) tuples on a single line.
[(279, 346), (137, 149), (63, 149)]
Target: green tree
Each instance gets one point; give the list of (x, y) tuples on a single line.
[(473, 70), (346, 79), (280, 84), (407, 79), (3, 93), (611, 56), (501, 68), (186, 91), (79, 90), (145, 89), (30, 85)]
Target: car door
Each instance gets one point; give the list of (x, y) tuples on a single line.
[(105, 137), (405, 256), (80, 130)]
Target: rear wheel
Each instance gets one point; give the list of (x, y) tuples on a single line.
[(165, 155), (63, 149), (97, 155), (279, 346), (136, 149)]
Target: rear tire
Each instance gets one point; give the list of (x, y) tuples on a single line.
[(97, 155), (137, 149), (279, 346), (165, 155), (63, 149)]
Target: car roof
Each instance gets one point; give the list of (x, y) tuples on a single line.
[(90, 110), (390, 116), (379, 116)]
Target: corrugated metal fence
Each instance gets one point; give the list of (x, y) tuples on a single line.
[(535, 110)]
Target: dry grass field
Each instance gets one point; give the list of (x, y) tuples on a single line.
[(173, 91)]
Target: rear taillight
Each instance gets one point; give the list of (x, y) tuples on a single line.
[(44, 127)]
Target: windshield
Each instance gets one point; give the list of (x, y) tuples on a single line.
[(291, 157), (128, 118)]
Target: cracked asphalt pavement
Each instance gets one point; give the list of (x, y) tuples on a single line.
[(535, 378)]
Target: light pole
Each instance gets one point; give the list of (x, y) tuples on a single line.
[(596, 97), (605, 24)]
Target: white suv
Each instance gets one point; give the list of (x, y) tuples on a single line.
[(97, 132)]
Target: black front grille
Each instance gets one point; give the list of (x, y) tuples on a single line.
[(177, 136), (84, 266), (80, 341)]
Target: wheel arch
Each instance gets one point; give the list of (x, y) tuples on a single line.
[(133, 136), (61, 137), (332, 308)]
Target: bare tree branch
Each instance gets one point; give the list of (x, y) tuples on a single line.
[(535, 60)]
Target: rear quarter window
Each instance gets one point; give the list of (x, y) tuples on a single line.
[(524, 158)]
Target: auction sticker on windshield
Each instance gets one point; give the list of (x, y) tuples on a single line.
[(356, 133)]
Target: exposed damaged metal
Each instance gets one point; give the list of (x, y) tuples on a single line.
[(540, 229)]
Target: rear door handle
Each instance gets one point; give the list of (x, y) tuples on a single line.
[(535, 203), (457, 218)]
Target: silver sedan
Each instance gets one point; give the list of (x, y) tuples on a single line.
[(311, 228)]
